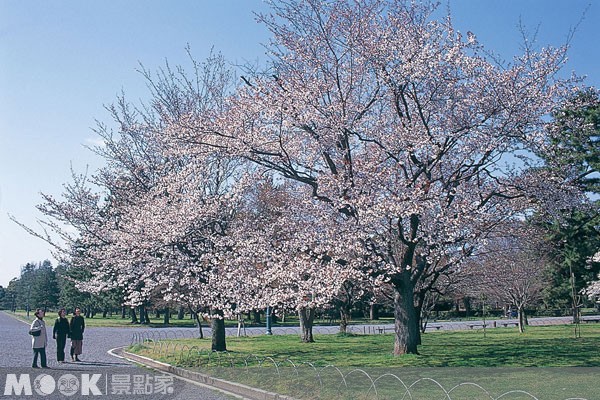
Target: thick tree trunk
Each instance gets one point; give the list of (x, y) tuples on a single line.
[(181, 313), (406, 320), (218, 333), (307, 317), (157, 313), (123, 312)]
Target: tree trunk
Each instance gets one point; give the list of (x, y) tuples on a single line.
[(256, 315), (467, 303), (198, 324), (123, 312), (157, 313), (144, 319), (521, 316), (104, 312), (167, 316), (218, 333), (344, 318), (307, 317), (374, 312), (406, 320), (134, 319), (181, 313)]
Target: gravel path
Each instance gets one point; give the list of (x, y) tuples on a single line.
[(16, 356)]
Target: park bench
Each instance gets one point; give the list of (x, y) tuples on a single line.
[(473, 325), (436, 327), (507, 323), (594, 318)]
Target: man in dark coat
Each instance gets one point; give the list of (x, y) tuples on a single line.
[(60, 333), (77, 326)]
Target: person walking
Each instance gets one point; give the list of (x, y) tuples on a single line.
[(77, 326), (60, 333), (39, 339)]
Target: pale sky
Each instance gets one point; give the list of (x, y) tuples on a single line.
[(62, 61)]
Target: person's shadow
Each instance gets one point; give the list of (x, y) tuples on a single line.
[(73, 365)]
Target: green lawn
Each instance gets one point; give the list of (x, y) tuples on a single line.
[(551, 346), (545, 362)]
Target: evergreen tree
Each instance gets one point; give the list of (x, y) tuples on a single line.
[(575, 236), (574, 135), (45, 290), (575, 240)]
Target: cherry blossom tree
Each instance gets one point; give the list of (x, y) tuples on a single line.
[(298, 269), (510, 268), (155, 220), (400, 128)]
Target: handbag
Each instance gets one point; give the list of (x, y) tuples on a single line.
[(35, 333)]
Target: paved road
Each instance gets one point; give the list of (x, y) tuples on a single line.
[(16, 356)]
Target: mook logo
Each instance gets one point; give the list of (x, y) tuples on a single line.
[(45, 384)]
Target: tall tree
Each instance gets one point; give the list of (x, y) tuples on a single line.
[(398, 126), (574, 147), (45, 291)]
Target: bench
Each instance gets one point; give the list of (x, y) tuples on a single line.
[(590, 319), (507, 323), (471, 326), (436, 327)]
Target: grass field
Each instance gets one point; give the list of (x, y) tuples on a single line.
[(552, 346), (543, 363)]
